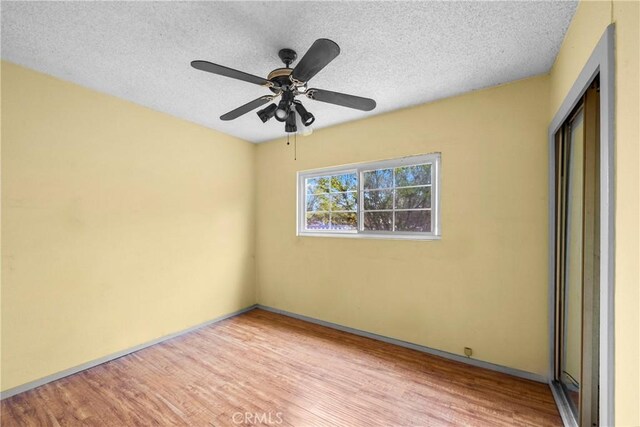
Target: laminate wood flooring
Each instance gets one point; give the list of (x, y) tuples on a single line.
[(262, 368)]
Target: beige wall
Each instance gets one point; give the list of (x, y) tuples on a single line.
[(484, 285), (587, 27), (120, 225)]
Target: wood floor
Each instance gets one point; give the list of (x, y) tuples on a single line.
[(262, 368)]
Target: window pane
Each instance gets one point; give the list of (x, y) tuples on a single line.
[(317, 221), (376, 200), (381, 178), (343, 202), (347, 182), (413, 221), (413, 198), (318, 185), (413, 175), (344, 221), (320, 202), (378, 220)]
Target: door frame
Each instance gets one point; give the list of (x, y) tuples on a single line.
[(601, 62)]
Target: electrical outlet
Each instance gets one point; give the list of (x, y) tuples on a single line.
[(468, 352)]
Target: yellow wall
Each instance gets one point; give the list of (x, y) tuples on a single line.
[(484, 285), (120, 225), (588, 25)]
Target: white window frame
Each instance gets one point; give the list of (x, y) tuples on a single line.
[(359, 169)]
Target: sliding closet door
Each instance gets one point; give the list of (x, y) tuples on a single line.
[(591, 260), (571, 358), (577, 255)]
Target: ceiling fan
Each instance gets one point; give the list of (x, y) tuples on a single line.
[(287, 83)]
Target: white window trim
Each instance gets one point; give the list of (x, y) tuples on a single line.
[(435, 234)]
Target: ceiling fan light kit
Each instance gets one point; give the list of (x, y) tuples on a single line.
[(290, 125), (266, 113), (284, 106), (287, 83), (306, 117)]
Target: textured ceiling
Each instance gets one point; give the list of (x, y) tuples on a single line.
[(399, 53)]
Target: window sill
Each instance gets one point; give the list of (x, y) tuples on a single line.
[(372, 236)]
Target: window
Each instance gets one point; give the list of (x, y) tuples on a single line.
[(389, 199)]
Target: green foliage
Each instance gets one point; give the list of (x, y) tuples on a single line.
[(413, 175), (332, 200), (380, 178), (328, 197)]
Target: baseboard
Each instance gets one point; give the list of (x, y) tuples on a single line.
[(474, 362), (53, 377), (451, 356)]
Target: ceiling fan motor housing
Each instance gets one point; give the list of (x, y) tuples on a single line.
[(280, 77)]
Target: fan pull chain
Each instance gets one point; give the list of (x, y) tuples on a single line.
[(295, 144)]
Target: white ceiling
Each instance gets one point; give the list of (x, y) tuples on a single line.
[(399, 53)]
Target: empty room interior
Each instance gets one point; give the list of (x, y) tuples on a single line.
[(320, 213)]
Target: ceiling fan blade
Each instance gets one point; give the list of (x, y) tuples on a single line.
[(351, 101), (319, 55), (244, 109), (230, 72)]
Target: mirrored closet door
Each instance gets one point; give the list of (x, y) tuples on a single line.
[(576, 265)]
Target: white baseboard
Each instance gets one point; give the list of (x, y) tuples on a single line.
[(58, 375), (458, 358)]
